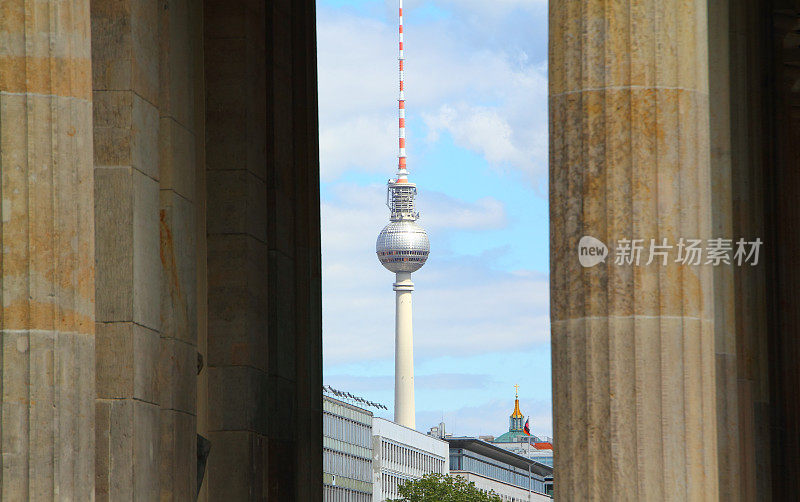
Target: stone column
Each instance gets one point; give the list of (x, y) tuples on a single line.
[(47, 261), (180, 44), (633, 346), (126, 131), (236, 166), (731, 459), (264, 289)]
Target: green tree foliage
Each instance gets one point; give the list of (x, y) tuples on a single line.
[(441, 488)]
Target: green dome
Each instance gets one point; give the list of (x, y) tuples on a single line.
[(512, 437)]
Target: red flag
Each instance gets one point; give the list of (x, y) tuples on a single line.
[(527, 428)]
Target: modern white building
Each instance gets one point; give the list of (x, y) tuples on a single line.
[(506, 492), (346, 452), (533, 447), (399, 454), (513, 477)]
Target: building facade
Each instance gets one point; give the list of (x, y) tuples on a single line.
[(513, 477), (400, 454), (346, 452), (506, 492), (535, 448)]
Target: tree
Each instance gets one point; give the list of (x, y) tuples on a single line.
[(443, 488)]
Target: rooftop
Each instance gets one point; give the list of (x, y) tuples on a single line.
[(500, 454)]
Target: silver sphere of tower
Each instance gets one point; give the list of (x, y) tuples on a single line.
[(403, 246)]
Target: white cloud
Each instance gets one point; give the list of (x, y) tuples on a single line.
[(489, 417), (364, 207), (438, 381), (475, 71), (491, 97), (488, 131), (443, 212), (361, 142), (500, 7), (460, 302)]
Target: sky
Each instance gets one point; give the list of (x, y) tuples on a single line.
[(476, 108)]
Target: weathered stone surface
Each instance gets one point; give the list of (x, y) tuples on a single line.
[(178, 161), (178, 463), (633, 346), (178, 41), (180, 47), (125, 131), (128, 261), (236, 107), (112, 418), (178, 292), (242, 399), (125, 63), (115, 201), (237, 279), (237, 204), (246, 482), (178, 375), (127, 56), (127, 361), (126, 463), (47, 261), (262, 169)]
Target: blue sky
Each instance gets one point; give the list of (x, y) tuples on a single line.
[(476, 91)]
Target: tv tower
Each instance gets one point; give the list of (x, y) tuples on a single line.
[(403, 248)]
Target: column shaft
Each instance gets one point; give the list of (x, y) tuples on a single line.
[(126, 167), (264, 280), (633, 346), (47, 260), (179, 44), (404, 409)]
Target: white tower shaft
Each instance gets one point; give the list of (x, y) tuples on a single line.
[(404, 408)]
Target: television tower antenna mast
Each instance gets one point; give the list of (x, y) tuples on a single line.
[(402, 170), (403, 248)]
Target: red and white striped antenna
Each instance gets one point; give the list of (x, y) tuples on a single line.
[(402, 171)]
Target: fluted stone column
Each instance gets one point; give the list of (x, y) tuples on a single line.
[(47, 260), (180, 42), (633, 346), (129, 270)]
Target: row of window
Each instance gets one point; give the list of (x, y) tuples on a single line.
[(507, 498), (347, 430), (489, 469), (390, 485), (411, 460), (330, 405), (338, 494), (342, 464)]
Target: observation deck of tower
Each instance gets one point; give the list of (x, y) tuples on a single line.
[(403, 248)]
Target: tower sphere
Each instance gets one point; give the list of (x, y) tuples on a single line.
[(402, 246)]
